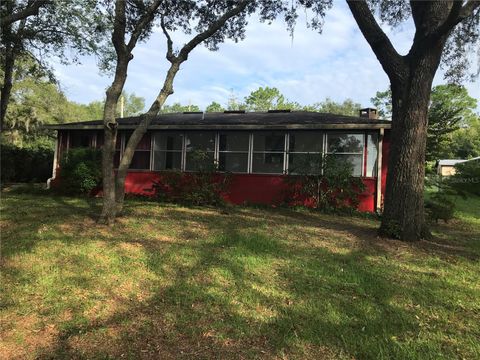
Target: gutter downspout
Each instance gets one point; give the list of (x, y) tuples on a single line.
[(55, 162)]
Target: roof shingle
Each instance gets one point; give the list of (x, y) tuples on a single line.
[(294, 119)]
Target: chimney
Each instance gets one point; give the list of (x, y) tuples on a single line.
[(369, 113)]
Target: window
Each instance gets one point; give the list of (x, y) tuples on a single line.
[(167, 151), (200, 150), (347, 147), (305, 152), (263, 152), (141, 156), (233, 151), (372, 154), (268, 152), (81, 139)]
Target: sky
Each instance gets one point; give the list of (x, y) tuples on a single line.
[(338, 63)]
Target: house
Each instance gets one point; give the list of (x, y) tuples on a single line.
[(258, 148), (446, 167)]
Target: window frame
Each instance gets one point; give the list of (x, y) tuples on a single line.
[(92, 139), (365, 160), (284, 152), (185, 151), (218, 151), (288, 152), (181, 151), (363, 153), (250, 152), (123, 144)]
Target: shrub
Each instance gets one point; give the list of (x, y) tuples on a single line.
[(439, 206), (26, 164), (80, 171), (466, 178), (203, 187), (325, 182)]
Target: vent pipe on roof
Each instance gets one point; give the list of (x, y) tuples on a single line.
[(369, 113)]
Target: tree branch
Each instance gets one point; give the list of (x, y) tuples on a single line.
[(468, 9), (456, 16), (30, 10), (212, 29), (392, 62), (170, 54), (142, 24), (119, 26)]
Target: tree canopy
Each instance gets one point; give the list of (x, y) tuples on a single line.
[(40, 29), (347, 107), (452, 121), (214, 107), (179, 108), (37, 100), (271, 98), (267, 98)]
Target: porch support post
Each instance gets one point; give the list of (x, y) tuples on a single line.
[(55, 160), (378, 204)]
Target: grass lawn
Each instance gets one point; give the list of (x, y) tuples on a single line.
[(176, 282)]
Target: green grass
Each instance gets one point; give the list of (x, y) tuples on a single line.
[(177, 282), (468, 209)]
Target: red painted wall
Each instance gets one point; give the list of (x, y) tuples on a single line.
[(245, 188)]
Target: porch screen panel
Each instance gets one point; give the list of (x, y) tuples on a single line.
[(268, 152), (305, 152), (372, 153), (167, 154), (347, 147), (200, 150), (233, 152), (100, 139), (141, 156), (81, 139)]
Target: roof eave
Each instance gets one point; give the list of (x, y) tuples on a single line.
[(229, 127)]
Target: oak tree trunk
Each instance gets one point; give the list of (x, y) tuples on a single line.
[(7, 83), (11, 50), (108, 154), (110, 139), (403, 215)]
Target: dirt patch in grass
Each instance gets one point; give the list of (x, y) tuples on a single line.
[(27, 336)]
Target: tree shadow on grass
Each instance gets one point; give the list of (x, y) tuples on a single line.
[(248, 292), (248, 295), (29, 218)]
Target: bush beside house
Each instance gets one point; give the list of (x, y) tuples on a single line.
[(81, 171), (26, 164)]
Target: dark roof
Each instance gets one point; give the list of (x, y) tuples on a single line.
[(248, 120)]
